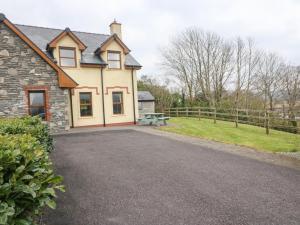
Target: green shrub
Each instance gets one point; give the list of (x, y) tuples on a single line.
[(28, 125), (27, 181)]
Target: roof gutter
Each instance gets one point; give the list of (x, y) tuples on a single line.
[(133, 96), (102, 90), (133, 67)]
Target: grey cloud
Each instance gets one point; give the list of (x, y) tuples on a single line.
[(274, 24)]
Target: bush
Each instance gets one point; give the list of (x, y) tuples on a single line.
[(27, 181), (28, 125)]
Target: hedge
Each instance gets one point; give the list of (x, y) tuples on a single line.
[(28, 125), (27, 180)]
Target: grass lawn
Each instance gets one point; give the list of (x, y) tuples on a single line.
[(244, 135)]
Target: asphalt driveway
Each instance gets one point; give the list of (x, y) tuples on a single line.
[(133, 178)]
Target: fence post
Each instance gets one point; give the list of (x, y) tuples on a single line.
[(187, 112), (199, 113), (176, 112), (169, 112), (267, 122), (215, 115)]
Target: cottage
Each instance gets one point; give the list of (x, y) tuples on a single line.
[(69, 78), (146, 102)]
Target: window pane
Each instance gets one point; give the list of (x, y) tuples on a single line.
[(117, 109), (68, 53), (67, 62), (113, 56), (85, 98), (37, 104), (86, 104), (36, 98), (38, 111), (114, 64), (117, 102), (117, 97), (86, 110)]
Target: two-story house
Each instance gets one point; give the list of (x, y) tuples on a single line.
[(69, 78)]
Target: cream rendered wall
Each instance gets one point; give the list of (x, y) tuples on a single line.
[(89, 80), (119, 80)]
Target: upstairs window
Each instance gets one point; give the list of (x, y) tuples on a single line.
[(37, 103), (114, 60), (67, 57), (117, 103), (86, 104)]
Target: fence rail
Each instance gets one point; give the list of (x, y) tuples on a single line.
[(270, 119)]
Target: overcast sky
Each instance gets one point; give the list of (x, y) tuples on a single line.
[(147, 25)]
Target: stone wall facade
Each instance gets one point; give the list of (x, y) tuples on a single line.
[(21, 70)]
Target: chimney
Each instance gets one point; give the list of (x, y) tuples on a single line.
[(115, 28)]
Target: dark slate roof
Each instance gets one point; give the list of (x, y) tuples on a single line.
[(145, 96), (41, 36)]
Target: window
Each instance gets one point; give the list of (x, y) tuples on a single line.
[(37, 104), (86, 104), (114, 60), (140, 105), (67, 57), (117, 102)]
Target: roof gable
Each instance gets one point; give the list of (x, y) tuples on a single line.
[(67, 32), (63, 79), (112, 38)]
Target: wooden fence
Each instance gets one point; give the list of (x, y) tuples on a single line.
[(276, 119)]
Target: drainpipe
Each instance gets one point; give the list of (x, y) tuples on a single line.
[(102, 88), (133, 96), (71, 106)]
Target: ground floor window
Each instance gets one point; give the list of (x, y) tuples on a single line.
[(86, 108), (117, 102), (37, 103)]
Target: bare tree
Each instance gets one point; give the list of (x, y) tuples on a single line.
[(269, 73), (252, 60), (202, 61), (240, 58), (177, 61), (290, 88), (223, 69)]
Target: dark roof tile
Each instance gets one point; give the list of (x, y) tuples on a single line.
[(41, 36), (145, 96)]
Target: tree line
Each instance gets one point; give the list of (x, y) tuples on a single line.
[(234, 73)]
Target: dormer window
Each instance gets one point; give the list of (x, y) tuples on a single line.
[(67, 57), (114, 59)]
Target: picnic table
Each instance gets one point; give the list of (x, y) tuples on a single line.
[(157, 119)]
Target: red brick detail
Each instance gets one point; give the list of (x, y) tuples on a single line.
[(107, 125), (47, 99), (94, 125), (119, 124), (120, 87), (87, 87)]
